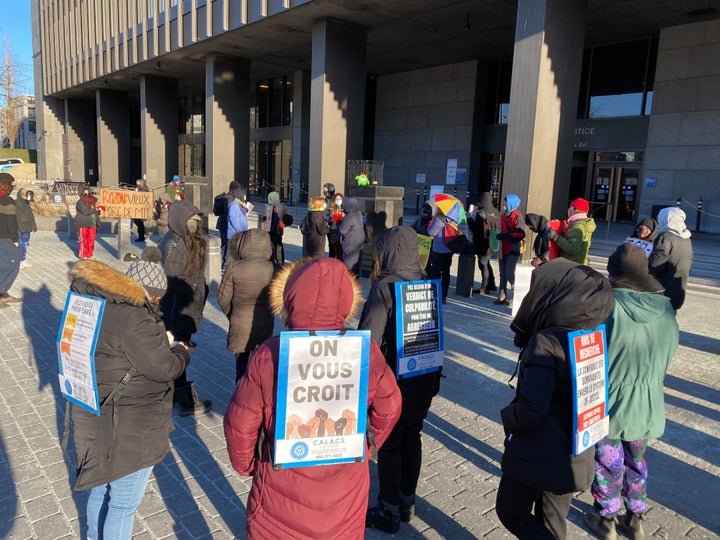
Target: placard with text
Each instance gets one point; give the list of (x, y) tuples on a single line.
[(589, 366), (419, 327), (321, 412), (76, 340)]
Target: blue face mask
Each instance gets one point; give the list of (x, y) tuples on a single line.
[(338, 202)]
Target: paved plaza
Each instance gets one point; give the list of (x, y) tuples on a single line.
[(194, 493)]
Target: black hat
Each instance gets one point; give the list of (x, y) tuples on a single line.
[(628, 266)]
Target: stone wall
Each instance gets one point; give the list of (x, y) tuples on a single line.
[(683, 146)]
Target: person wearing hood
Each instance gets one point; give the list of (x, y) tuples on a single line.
[(276, 219), (478, 224), (116, 451), (642, 337), (575, 243), (538, 469), (26, 222), (221, 205), (541, 246), (511, 235), (184, 252), (315, 228), (328, 193), (305, 503), (672, 255), (644, 235), (423, 221), (243, 295), (87, 219), (236, 219), (10, 251), (352, 235), (400, 458)]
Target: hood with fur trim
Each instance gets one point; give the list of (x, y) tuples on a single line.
[(98, 279), (315, 294)]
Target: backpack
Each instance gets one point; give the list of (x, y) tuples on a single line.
[(455, 239)]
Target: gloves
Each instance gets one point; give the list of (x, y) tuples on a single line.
[(552, 235), (100, 208), (503, 236)]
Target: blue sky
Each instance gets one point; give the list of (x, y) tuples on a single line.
[(15, 24)]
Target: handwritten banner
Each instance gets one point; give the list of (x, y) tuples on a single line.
[(126, 204)]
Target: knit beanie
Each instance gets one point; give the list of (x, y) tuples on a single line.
[(148, 272), (629, 264)]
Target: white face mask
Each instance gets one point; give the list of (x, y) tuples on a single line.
[(192, 225)]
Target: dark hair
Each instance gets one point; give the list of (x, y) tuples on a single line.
[(196, 247)]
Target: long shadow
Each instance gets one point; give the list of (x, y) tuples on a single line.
[(700, 391), (38, 316), (701, 410), (705, 344), (8, 495)]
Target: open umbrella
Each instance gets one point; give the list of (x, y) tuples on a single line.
[(451, 208)]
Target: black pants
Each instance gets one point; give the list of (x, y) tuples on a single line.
[(486, 271), (440, 269), (399, 461), (514, 507), (140, 224)]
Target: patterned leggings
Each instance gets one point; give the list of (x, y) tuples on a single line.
[(620, 476)]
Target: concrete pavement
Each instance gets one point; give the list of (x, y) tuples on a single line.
[(194, 493)]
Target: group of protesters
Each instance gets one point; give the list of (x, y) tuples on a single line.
[(153, 311)]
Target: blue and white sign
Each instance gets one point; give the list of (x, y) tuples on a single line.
[(321, 412), (419, 328), (76, 341), (589, 370)]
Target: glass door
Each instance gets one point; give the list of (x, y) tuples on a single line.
[(615, 192)]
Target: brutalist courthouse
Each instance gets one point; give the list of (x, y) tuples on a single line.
[(617, 102)]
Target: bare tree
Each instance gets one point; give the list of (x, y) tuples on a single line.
[(10, 94)]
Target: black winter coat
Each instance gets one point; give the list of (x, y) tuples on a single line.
[(352, 234), (243, 291), (670, 263), (563, 297), (398, 256), (184, 301), (131, 335), (87, 215), (25, 217), (314, 234)]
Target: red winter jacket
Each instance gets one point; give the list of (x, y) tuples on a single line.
[(328, 501), (514, 226)]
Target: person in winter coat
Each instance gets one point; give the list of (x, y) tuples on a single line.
[(352, 235), (644, 235), (575, 243), (184, 252), (221, 205), (672, 255), (512, 233), (305, 503), (140, 185), (10, 251), (335, 216), (328, 193), (541, 246), (87, 220), (243, 295), (642, 336), (162, 211), (440, 254), (236, 220), (25, 222), (423, 221), (116, 451), (315, 229), (538, 470), (478, 225), (276, 219), (400, 458)]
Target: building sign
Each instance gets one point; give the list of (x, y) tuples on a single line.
[(321, 411), (419, 328), (420, 178), (461, 177), (76, 340), (451, 171), (120, 203), (589, 373)]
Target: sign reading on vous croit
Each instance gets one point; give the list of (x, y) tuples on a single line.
[(589, 365)]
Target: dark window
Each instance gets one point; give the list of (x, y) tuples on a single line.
[(274, 102), (498, 92)]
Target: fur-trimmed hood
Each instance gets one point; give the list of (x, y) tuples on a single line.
[(315, 294), (98, 279)]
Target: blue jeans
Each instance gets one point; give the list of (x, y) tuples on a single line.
[(111, 507), (24, 241)]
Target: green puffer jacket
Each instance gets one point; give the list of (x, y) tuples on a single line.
[(642, 336), (575, 245)]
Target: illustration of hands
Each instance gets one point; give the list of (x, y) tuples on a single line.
[(291, 427)]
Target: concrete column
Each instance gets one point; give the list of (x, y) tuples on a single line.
[(49, 114), (300, 135), (547, 61), (113, 135), (158, 129), (337, 102), (227, 121), (81, 132)]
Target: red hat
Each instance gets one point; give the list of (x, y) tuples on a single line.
[(581, 204)]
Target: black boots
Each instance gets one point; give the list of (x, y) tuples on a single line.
[(190, 404), (407, 507), (632, 525), (383, 517), (602, 527)]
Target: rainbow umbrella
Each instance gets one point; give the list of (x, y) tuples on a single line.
[(451, 207)]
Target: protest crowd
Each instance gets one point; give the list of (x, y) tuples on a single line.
[(315, 404)]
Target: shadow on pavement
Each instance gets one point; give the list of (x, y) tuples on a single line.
[(8, 495), (704, 344)]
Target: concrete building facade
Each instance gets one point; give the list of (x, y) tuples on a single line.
[(549, 99)]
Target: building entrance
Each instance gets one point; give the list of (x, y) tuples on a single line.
[(615, 191)]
